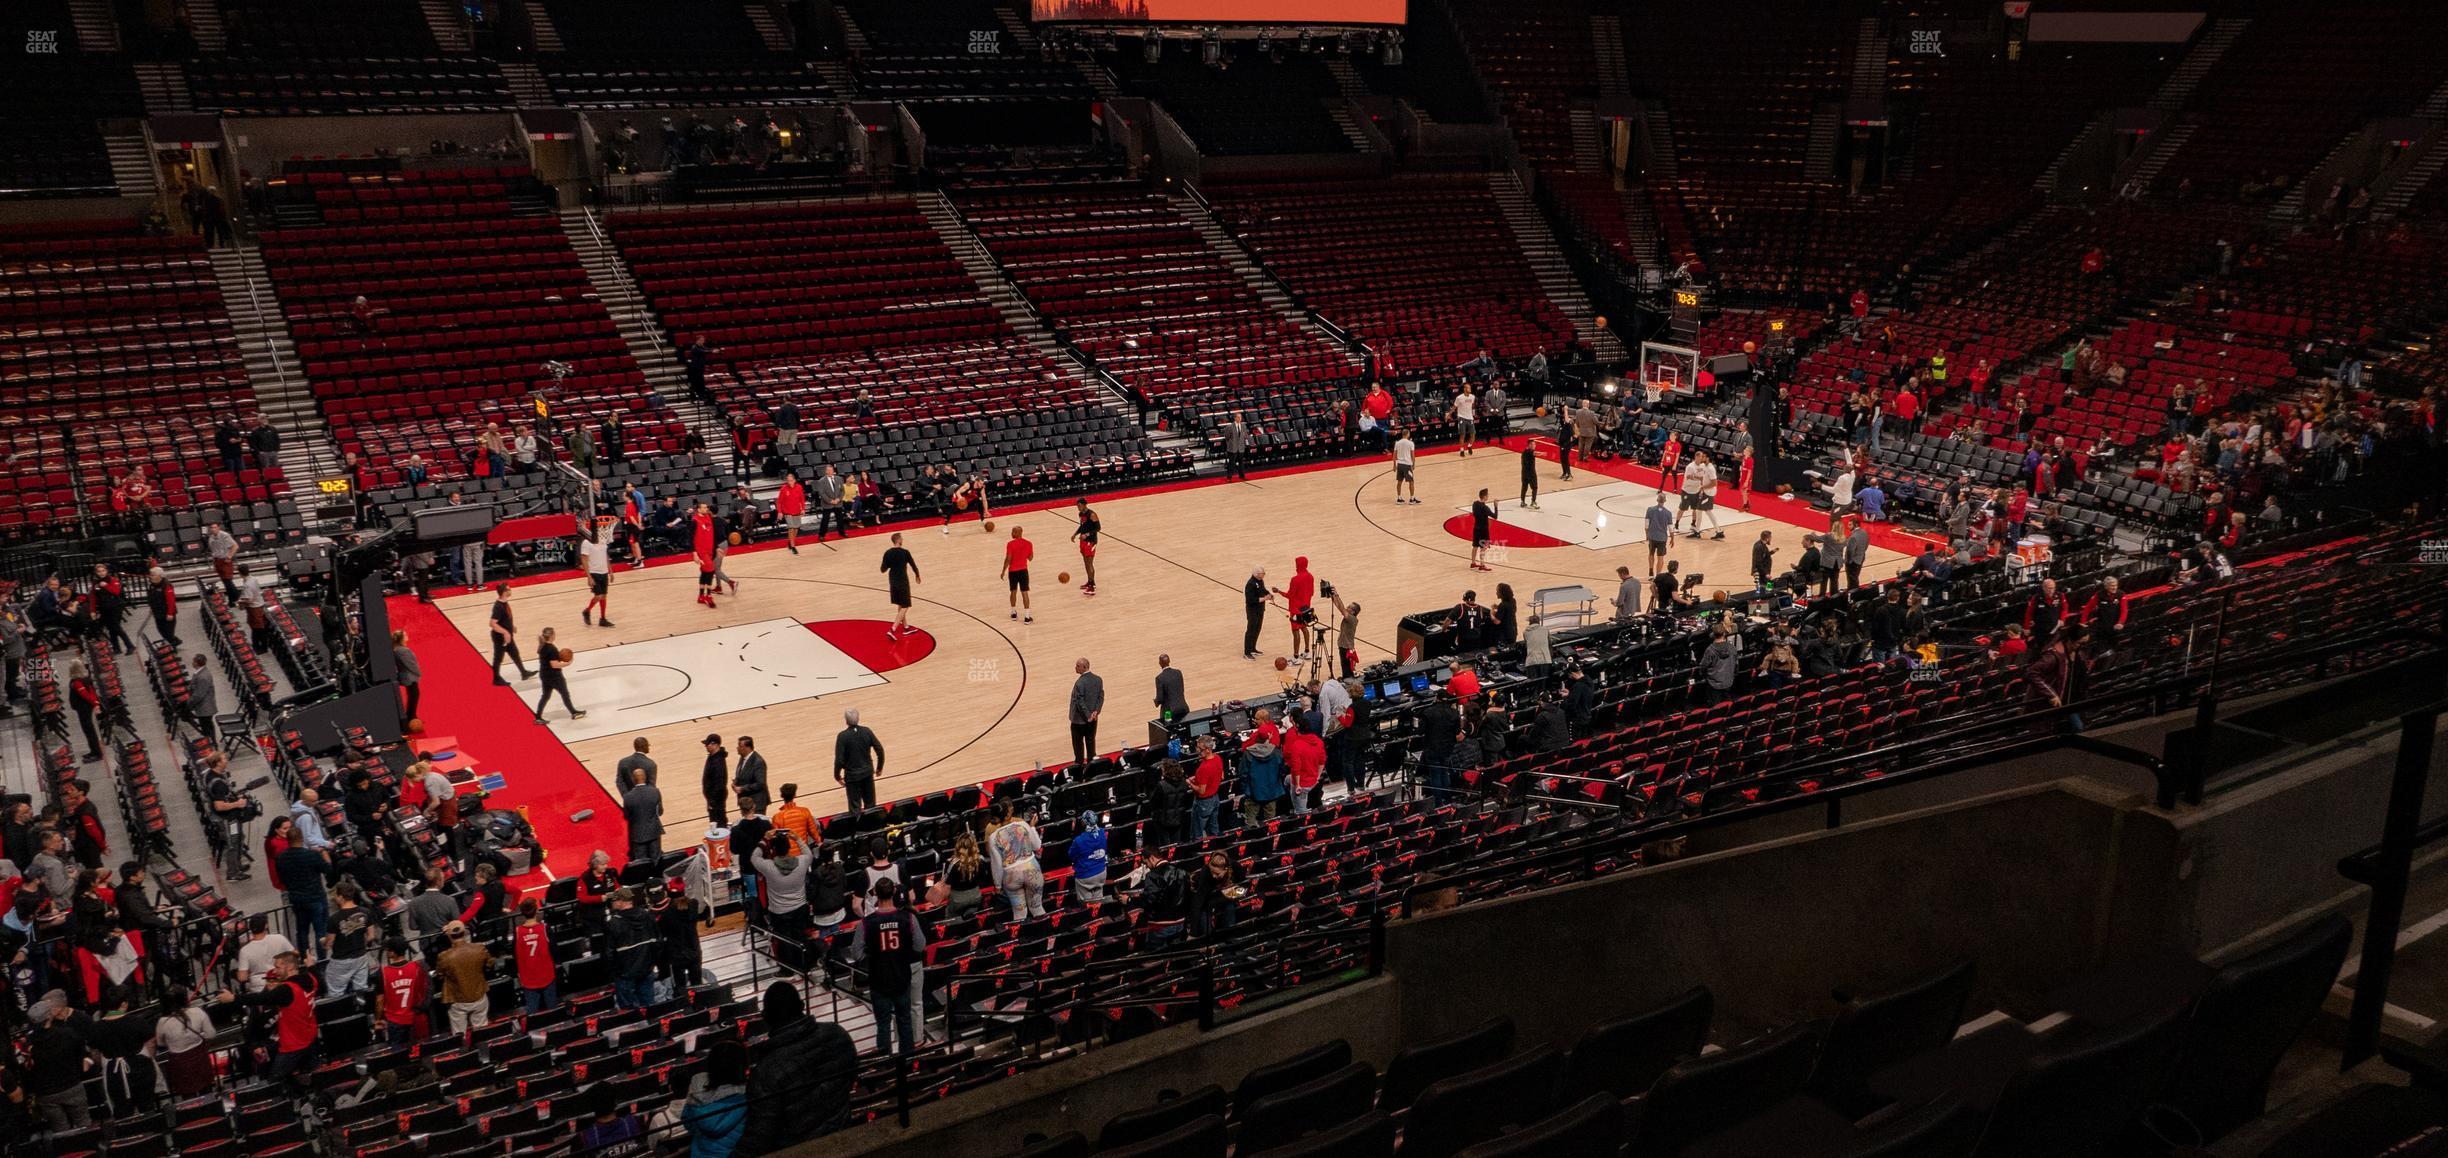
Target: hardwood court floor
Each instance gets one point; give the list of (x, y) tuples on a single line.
[(990, 698)]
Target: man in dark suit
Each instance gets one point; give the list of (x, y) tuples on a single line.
[(1170, 702), (1254, 601)]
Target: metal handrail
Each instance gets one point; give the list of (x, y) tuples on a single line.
[(631, 297), (2174, 780), (280, 366)]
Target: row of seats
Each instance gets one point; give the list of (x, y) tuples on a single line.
[(1537, 60), (119, 352), (1895, 1073), (457, 333), (1423, 269), (2248, 126), (1127, 279)]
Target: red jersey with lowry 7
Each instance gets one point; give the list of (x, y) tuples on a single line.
[(1016, 554), (534, 951)]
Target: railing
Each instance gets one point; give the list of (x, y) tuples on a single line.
[(272, 323), (2387, 868), (630, 296), (2179, 775)]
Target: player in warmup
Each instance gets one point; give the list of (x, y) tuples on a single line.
[(633, 524), (1405, 458), (1015, 574), (1466, 418), (703, 547), (1529, 483), (1700, 494), (596, 554), (970, 493), (901, 569), (1297, 598), (1671, 457), (1483, 521), (789, 506), (1090, 526), (1742, 479)]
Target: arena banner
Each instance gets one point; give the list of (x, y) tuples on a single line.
[(1329, 12)]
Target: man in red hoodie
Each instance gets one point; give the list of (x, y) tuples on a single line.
[(1304, 760), (1297, 598)]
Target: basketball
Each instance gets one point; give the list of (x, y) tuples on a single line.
[(1064, 577), (989, 524), (415, 727), (1542, 412), (1282, 663), (735, 538)]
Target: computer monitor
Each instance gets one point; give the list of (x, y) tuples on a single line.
[(1390, 689), (1200, 728), (1236, 722), (1419, 681), (1368, 691)]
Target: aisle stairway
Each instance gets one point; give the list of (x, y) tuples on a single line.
[(97, 27), (642, 331), (282, 391), (1555, 276), (1252, 274)]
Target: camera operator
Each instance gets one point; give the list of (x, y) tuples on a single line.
[(1347, 631), (232, 809)]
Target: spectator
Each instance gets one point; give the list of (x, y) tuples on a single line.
[(1304, 763), (1207, 790), (349, 945), (1088, 860), (782, 881), (431, 909), (613, 1132), (675, 917), (289, 991), (966, 878), (1262, 779), (794, 818), (464, 988), (716, 1112), (182, 1041), (1721, 662), (59, 1057), (1169, 804), (636, 951), (262, 948), (1216, 893), (405, 989), (531, 945), (1014, 845), (892, 943), (799, 1082), (83, 823)]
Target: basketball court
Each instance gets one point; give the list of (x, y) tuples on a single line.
[(976, 693)]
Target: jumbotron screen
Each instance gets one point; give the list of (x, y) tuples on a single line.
[(1330, 12)]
